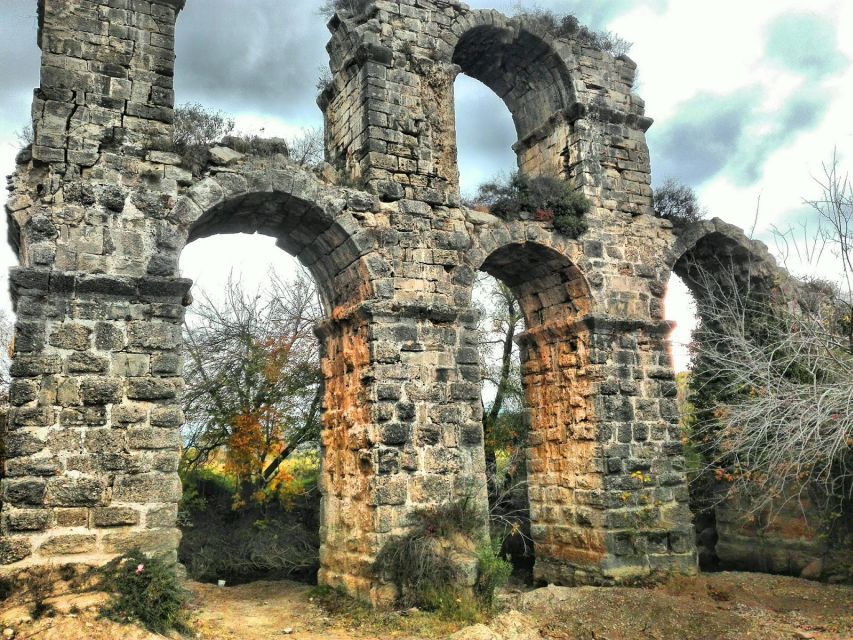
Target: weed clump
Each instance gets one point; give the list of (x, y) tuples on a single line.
[(568, 26), (427, 564), (144, 590), (548, 199)]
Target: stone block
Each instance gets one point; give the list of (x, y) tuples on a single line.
[(168, 416), (84, 362), (152, 438), (71, 336), (24, 493), (390, 490), (75, 492), (101, 391), (129, 413), (147, 487), (68, 544), (130, 364), (109, 336), (151, 389), (149, 540), (150, 335), (114, 516), (14, 549), (26, 520), (32, 466)]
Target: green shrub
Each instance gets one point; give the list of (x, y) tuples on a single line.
[(493, 571), (547, 198), (423, 563), (144, 590), (675, 201)]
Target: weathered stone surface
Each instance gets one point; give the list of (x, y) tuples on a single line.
[(68, 544), (75, 492), (26, 520), (114, 516), (101, 219), (99, 391), (225, 156), (149, 487), (14, 549)]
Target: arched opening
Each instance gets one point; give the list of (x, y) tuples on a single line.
[(251, 405), (552, 297), (263, 392), (718, 279), (532, 81), (481, 156)]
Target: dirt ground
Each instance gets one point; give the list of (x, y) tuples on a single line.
[(722, 606)]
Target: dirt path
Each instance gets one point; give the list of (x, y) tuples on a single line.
[(724, 606)]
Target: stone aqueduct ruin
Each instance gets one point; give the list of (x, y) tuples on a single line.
[(99, 214)]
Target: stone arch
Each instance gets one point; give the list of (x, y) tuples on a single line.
[(550, 288), (519, 63), (562, 448), (319, 230), (529, 72), (706, 251)]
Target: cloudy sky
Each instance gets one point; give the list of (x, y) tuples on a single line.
[(749, 98)]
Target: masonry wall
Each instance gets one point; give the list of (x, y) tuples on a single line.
[(101, 210)]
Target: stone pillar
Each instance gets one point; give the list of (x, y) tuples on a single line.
[(402, 430), (93, 443), (608, 494)]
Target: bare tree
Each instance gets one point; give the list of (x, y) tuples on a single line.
[(308, 148), (7, 331), (252, 372), (778, 372)]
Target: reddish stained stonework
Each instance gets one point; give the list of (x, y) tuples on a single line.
[(100, 212)]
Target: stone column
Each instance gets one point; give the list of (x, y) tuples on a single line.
[(93, 442), (401, 431), (608, 494)]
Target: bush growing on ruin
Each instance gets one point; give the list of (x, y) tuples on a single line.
[(677, 202), (568, 26), (546, 198), (25, 136), (423, 563), (348, 7), (145, 590), (196, 128)]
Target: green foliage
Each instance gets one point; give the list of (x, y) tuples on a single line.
[(493, 571), (198, 126), (275, 539), (677, 202), (424, 563), (144, 590), (568, 26), (547, 198)]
